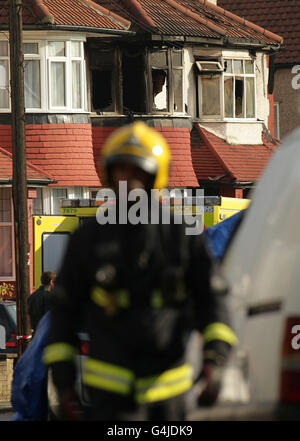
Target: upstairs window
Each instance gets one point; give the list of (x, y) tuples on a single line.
[(167, 80), (54, 76), (239, 89), (226, 91)]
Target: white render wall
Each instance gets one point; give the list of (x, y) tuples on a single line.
[(234, 132)]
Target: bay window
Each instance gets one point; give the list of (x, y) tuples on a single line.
[(54, 76), (226, 91)]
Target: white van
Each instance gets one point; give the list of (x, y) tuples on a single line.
[(262, 264)]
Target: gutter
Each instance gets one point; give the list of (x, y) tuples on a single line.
[(85, 29), (39, 182)]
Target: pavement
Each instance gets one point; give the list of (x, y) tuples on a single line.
[(5, 406)]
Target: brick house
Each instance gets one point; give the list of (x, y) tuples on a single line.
[(283, 18), (196, 73)]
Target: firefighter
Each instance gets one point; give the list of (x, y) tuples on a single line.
[(143, 288)]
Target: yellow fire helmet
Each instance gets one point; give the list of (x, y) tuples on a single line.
[(140, 145)]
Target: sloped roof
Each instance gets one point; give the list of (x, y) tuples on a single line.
[(194, 18), (33, 173), (279, 16), (81, 13), (64, 151), (215, 159)]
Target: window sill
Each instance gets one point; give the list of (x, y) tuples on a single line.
[(233, 121)]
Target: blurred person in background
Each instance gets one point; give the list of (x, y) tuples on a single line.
[(39, 302)]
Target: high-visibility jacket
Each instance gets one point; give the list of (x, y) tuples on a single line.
[(140, 290)]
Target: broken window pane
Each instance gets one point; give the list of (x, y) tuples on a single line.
[(177, 90), (160, 89), (102, 99), (239, 97), (228, 97), (134, 87), (210, 96), (250, 106)]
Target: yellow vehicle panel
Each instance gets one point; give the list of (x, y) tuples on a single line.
[(50, 236)]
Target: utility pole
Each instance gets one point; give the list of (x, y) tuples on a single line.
[(19, 170)]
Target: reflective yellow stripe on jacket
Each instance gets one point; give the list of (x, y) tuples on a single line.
[(166, 385), (107, 376), (219, 331), (119, 380), (59, 352)]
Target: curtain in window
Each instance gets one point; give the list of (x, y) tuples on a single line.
[(4, 96), (58, 84), (177, 90), (32, 84), (211, 96), (76, 85), (250, 106), (228, 97)]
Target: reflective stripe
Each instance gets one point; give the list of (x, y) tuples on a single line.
[(166, 385), (107, 376), (110, 301), (59, 352), (219, 331)]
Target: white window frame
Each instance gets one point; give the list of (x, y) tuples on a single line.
[(67, 59), (45, 86), (244, 75), (38, 56), (221, 74), (11, 278), (170, 78)]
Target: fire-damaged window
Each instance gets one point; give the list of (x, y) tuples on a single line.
[(167, 80), (226, 88), (135, 80), (103, 65)]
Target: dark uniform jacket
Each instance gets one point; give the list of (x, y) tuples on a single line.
[(38, 304), (140, 289)]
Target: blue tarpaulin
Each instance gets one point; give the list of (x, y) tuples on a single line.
[(29, 385), (218, 235)]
